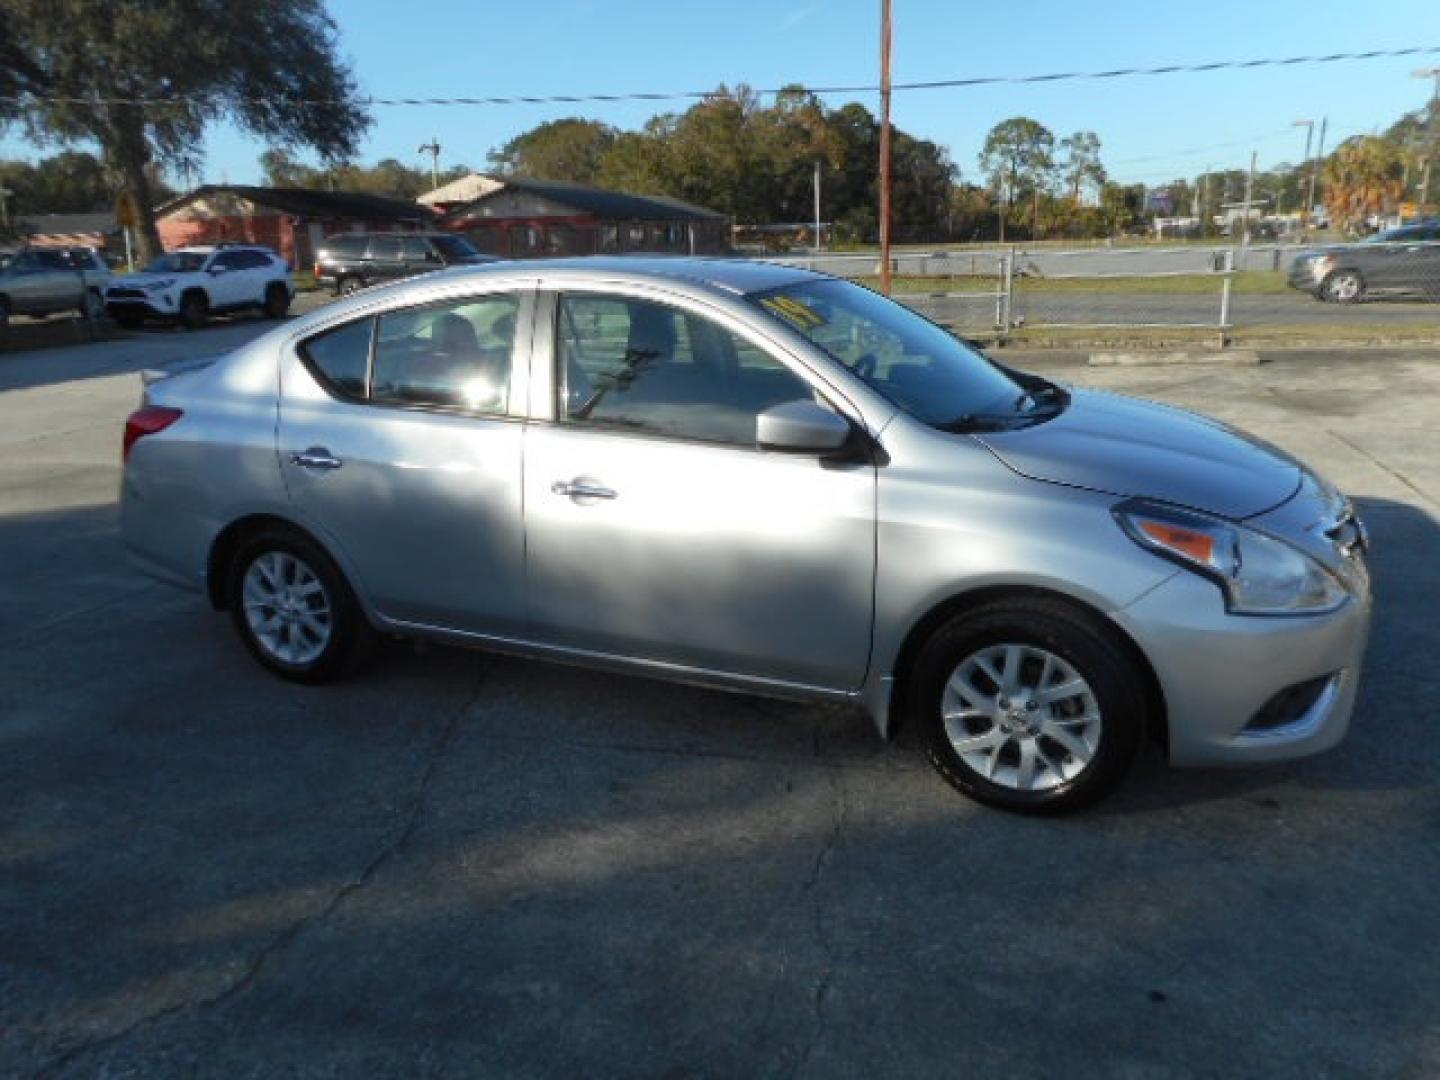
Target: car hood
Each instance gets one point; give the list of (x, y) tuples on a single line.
[(140, 280), (1132, 448)]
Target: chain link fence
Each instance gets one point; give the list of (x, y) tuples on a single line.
[(996, 291)]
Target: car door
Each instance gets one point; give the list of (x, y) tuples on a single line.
[(417, 256), (225, 283), (654, 526), (400, 446)]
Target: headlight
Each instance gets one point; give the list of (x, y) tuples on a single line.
[(1259, 574), (163, 283)]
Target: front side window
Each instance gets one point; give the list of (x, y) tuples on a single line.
[(416, 249), (907, 358), (455, 355), (634, 365)]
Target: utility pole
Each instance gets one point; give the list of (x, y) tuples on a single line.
[(433, 149), (1430, 73), (817, 204), (885, 6), (1309, 126), (1249, 193)]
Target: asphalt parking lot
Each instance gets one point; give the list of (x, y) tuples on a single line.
[(466, 864)]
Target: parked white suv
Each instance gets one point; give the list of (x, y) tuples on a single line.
[(192, 283)]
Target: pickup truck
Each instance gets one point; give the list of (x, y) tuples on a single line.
[(42, 281)]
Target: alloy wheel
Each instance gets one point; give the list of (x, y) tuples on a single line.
[(287, 608), (1021, 717)]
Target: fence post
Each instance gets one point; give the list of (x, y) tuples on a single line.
[(1225, 286)]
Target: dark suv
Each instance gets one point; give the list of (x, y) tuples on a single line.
[(1401, 261), (350, 261)]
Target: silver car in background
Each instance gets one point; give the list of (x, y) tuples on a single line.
[(768, 480)]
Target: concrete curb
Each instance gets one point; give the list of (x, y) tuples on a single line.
[(1158, 358)]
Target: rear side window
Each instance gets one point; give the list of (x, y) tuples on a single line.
[(384, 247), (344, 247), (340, 358), (451, 356)]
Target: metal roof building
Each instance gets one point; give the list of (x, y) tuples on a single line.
[(523, 218)]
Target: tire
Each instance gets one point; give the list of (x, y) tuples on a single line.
[(194, 310), (1343, 287), (347, 286), (4, 311), (1078, 745), (277, 300), (292, 571)]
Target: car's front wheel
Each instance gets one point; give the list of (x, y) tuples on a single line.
[(348, 286), (277, 300), (194, 310), (1343, 287), (1029, 705), (294, 610)]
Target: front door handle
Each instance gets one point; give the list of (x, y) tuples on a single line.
[(317, 457), (581, 488)]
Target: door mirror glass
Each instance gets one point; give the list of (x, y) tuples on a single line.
[(802, 426)]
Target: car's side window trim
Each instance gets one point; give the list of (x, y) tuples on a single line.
[(521, 347)]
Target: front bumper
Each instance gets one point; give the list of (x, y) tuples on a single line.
[(133, 302), (1307, 275), (1219, 671)]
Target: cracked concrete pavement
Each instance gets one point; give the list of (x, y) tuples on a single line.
[(458, 864)]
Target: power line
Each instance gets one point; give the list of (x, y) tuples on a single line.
[(30, 100)]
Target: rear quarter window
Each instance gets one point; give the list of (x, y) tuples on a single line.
[(340, 358)]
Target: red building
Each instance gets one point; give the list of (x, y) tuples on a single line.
[(520, 218), (292, 221)]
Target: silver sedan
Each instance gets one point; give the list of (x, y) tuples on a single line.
[(768, 480)]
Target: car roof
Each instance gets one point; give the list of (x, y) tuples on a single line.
[(737, 276)]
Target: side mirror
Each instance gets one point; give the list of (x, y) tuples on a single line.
[(801, 427)]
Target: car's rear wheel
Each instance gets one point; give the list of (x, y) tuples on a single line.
[(294, 610), (349, 285), (1344, 287), (1029, 705), (277, 300), (194, 310)]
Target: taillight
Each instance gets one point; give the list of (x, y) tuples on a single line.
[(147, 421)]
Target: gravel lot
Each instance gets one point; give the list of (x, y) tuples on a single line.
[(463, 864)]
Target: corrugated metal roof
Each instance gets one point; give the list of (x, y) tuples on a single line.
[(610, 205)]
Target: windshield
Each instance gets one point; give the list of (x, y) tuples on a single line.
[(910, 360), (177, 262), (454, 247)]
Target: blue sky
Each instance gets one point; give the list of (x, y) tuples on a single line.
[(1152, 128)]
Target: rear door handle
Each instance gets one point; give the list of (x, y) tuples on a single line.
[(317, 457), (582, 489)]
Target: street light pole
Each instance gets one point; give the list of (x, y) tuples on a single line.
[(885, 6), (1429, 73), (433, 149), (817, 205), (1309, 126), (1319, 157)]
